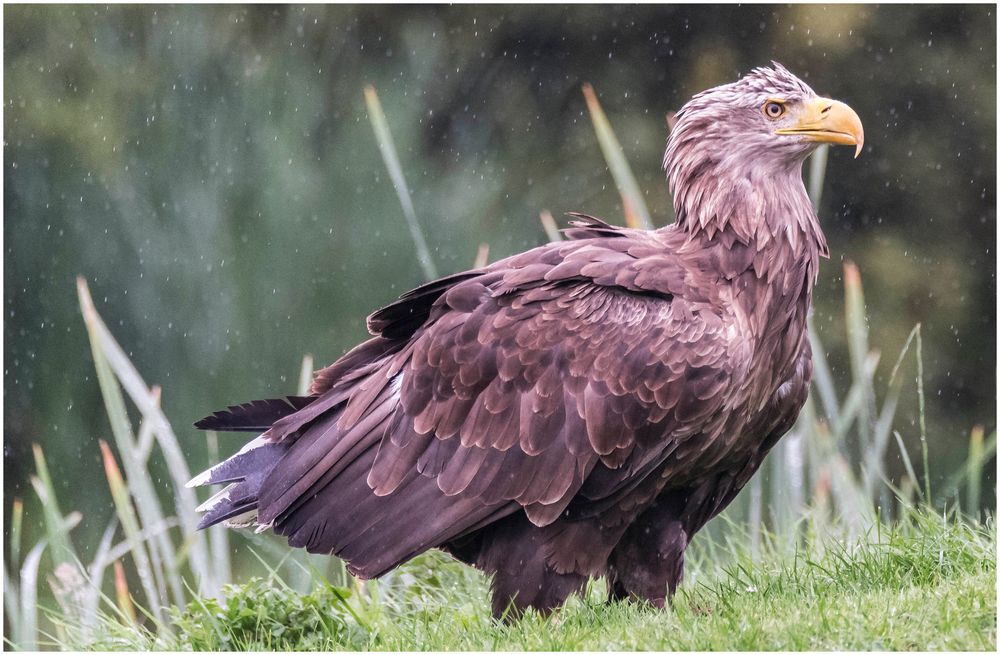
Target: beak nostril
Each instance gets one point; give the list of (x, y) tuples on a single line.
[(826, 109)]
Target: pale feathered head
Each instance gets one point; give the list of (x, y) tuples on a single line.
[(755, 130)]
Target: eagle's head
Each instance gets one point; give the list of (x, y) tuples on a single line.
[(754, 132)]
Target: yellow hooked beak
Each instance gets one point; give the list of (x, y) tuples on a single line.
[(827, 121)]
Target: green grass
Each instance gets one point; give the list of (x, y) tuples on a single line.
[(927, 584)]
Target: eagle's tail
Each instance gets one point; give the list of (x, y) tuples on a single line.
[(244, 472), (236, 504), (255, 416)]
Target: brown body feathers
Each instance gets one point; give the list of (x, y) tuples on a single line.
[(578, 410)]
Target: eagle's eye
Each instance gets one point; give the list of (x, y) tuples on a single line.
[(774, 109)]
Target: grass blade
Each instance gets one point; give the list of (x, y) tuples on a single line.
[(921, 407), (121, 549), (633, 204), (755, 515), (792, 463), (874, 457), (482, 256), (388, 149), (305, 379), (96, 574), (59, 545), (12, 609), (549, 225), (16, 521), (130, 525), (975, 467), (848, 413), (163, 560), (822, 377), (29, 597), (902, 354), (907, 463), (817, 174), (148, 404), (146, 436), (122, 595), (857, 345), (854, 508), (952, 488), (808, 425), (980, 451)]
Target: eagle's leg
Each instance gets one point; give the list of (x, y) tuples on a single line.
[(522, 576), (648, 562), (534, 585), (532, 566)]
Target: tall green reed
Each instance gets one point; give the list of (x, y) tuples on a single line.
[(388, 149)]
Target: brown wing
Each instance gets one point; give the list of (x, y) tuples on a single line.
[(504, 390)]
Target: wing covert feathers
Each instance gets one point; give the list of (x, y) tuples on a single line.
[(572, 368)]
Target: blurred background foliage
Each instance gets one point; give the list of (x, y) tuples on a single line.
[(212, 172)]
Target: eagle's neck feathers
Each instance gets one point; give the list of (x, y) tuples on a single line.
[(731, 194), (752, 220)]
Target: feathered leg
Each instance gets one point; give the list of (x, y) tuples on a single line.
[(522, 578), (648, 562), (525, 564), (535, 585)]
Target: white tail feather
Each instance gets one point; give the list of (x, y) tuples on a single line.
[(215, 499), (203, 477)]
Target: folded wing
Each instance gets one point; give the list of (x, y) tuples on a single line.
[(564, 372)]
